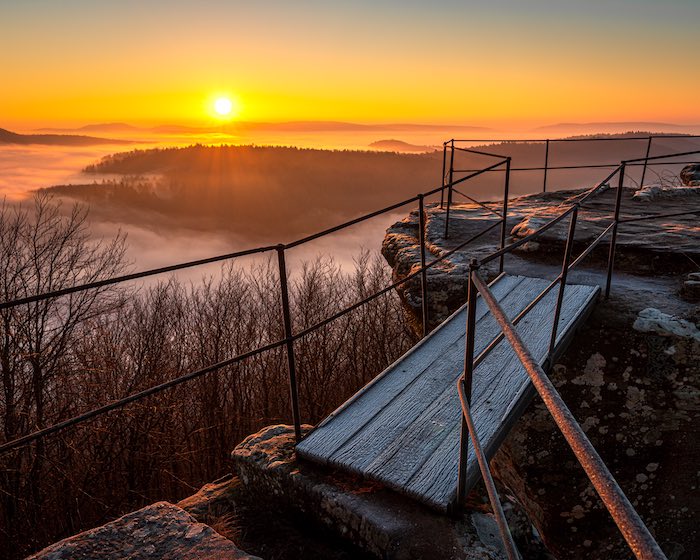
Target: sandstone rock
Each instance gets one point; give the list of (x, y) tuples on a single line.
[(377, 520), (690, 175), (215, 504), (654, 321), (657, 192), (159, 531)]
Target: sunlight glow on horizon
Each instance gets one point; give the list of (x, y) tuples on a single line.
[(368, 62)]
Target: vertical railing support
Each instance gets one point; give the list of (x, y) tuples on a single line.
[(644, 169), (504, 217), (291, 365), (613, 238), (424, 272), (467, 382), (442, 177), (449, 188), (546, 165), (562, 282)]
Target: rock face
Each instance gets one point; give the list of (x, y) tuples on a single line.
[(159, 531), (632, 379), (690, 175), (380, 522)]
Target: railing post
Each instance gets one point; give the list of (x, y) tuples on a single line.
[(467, 382), (291, 365), (564, 272), (442, 178), (424, 272), (644, 169), (449, 188), (613, 239), (546, 165), (504, 223)]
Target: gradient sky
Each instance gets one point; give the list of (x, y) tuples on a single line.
[(496, 62)]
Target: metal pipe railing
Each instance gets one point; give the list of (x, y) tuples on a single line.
[(504, 214), (506, 537), (624, 515), (466, 381), (613, 239), (423, 269), (562, 278), (289, 343)]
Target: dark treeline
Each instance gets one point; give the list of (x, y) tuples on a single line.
[(64, 356)]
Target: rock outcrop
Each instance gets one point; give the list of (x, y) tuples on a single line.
[(159, 531), (379, 521), (648, 247), (690, 175)]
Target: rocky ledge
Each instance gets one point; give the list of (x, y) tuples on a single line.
[(651, 247), (379, 522), (159, 531)]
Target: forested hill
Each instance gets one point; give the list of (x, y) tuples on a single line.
[(8, 137)]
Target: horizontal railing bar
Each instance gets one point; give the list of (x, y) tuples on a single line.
[(623, 513), (534, 235), (665, 156), (135, 397), (133, 276), (657, 216), (588, 166), (475, 174), (544, 140), (483, 205), (383, 291), (356, 220), (506, 536), (479, 152)]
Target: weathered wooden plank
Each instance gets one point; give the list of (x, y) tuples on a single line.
[(338, 428), (498, 381), (403, 429), (399, 439)]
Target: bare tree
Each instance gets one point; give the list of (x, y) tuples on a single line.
[(43, 250)]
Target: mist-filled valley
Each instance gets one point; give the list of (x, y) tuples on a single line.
[(186, 202)]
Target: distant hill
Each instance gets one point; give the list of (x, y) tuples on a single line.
[(400, 146), (8, 137), (616, 127), (291, 126)]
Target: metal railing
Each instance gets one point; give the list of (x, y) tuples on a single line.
[(552, 141), (621, 510), (290, 337)]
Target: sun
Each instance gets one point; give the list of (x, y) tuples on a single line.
[(223, 106)]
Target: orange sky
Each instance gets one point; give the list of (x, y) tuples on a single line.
[(504, 63)]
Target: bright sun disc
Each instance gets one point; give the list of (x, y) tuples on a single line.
[(223, 106)]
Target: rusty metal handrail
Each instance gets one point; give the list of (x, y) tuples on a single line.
[(621, 510)]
